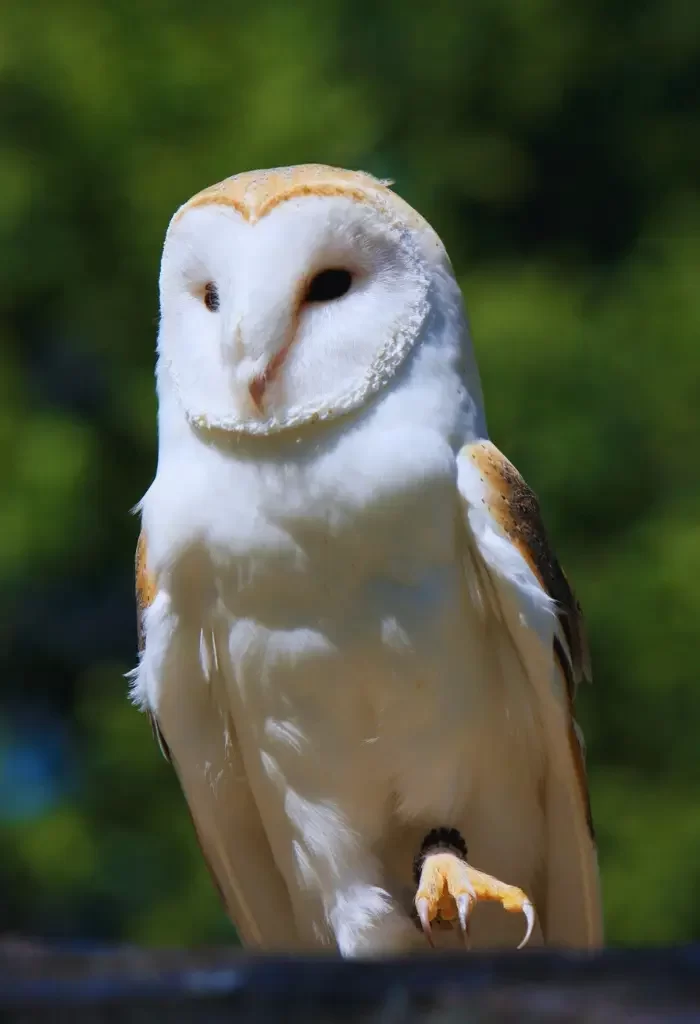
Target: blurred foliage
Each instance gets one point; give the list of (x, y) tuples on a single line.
[(555, 146)]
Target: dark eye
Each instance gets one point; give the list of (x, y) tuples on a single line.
[(211, 297), (329, 285)]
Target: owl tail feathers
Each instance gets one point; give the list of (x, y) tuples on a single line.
[(571, 912)]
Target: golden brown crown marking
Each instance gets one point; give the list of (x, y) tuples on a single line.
[(253, 194)]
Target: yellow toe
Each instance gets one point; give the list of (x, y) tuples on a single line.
[(449, 887)]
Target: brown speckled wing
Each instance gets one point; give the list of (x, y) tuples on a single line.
[(515, 508), (146, 591)]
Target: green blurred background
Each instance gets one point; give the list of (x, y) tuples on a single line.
[(555, 145)]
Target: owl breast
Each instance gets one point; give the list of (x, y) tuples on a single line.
[(288, 542), (335, 592)]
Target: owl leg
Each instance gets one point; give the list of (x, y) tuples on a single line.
[(448, 887)]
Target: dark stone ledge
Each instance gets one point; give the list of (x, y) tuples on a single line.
[(93, 985)]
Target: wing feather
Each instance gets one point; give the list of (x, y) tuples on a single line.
[(514, 507), (500, 507), (146, 590), (515, 510), (225, 816)]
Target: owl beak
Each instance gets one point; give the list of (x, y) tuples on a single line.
[(255, 384), (259, 383), (256, 367), (256, 390)]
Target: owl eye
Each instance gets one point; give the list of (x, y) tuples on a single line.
[(211, 297), (329, 285)]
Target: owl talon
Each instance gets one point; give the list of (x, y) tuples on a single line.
[(463, 910), (529, 912), (464, 906), (448, 888), (423, 908)]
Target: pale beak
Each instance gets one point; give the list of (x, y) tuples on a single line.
[(259, 383), (256, 390), (256, 370)]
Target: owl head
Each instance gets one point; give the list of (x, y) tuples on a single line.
[(291, 296)]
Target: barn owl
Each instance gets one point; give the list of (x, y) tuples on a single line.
[(356, 645)]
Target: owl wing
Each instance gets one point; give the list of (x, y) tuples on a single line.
[(146, 591), (521, 582), (205, 755)]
